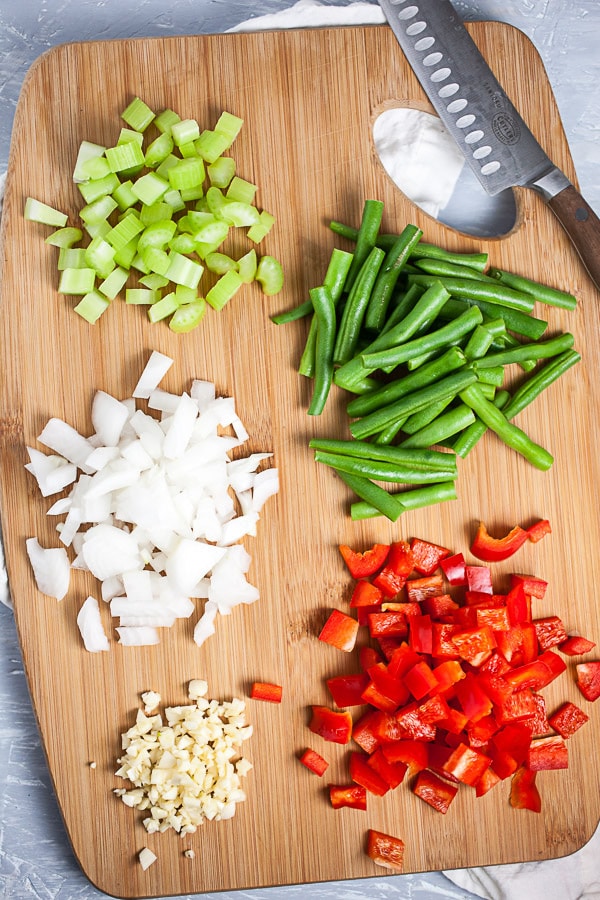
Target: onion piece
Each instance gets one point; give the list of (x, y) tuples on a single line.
[(51, 568), (90, 626), (156, 367)]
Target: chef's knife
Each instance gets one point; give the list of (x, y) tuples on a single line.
[(476, 111)]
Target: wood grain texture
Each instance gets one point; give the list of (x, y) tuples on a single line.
[(309, 100)]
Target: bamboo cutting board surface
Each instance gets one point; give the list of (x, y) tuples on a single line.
[(308, 99)]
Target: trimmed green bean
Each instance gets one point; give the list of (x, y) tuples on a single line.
[(521, 323), (512, 435), (493, 375), (433, 460), (324, 308), (543, 293), (476, 261), (424, 417), (479, 343), (334, 280), (450, 269), (404, 501), (526, 352), (348, 332), (441, 428), (378, 470), (538, 382), (471, 435), (387, 278), (335, 277), (366, 237), (374, 496), (491, 292), (387, 435), (381, 418)]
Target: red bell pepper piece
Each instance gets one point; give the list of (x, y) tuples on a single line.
[(548, 753), (538, 530), (495, 618), (403, 658), (433, 790), (491, 549), (363, 613), (455, 722), (399, 564), (427, 556), (488, 780), (479, 578), (420, 636), (518, 604), (434, 710), (363, 733), (446, 674), (365, 593), (385, 850), (466, 764), (391, 623), (519, 707), (588, 679), (533, 586), (363, 565), (386, 728), (368, 656), (411, 723), (346, 690), (351, 795), (414, 754), (388, 644), (534, 675), (568, 719), (523, 791), (439, 606), (364, 774), (474, 645), (261, 690), (340, 631), (538, 723), (453, 568), (314, 762), (550, 631), (575, 645), (388, 684), (474, 702), (331, 725), (420, 679), (392, 772), (479, 733), (555, 663), (441, 640), (419, 589)]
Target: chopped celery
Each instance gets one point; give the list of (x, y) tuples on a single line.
[(219, 263), (71, 258), (187, 173), (154, 281), (259, 231), (221, 171), (149, 188), (158, 150), (76, 281), (87, 151), (183, 243), (163, 308), (184, 294), (94, 168), (124, 195), (188, 195), (183, 270), (247, 266), (125, 230), (240, 214), (242, 190), (129, 134), (141, 296), (212, 144), (165, 120), (91, 306), (185, 131), (138, 114), (188, 149), (125, 156), (185, 318), (229, 125), (100, 256), (212, 232), (98, 187), (65, 237), (153, 260), (269, 274), (98, 229), (174, 199), (158, 234), (97, 210), (155, 212), (114, 283), (225, 288), (36, 211)]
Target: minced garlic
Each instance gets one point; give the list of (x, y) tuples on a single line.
[(188, 769)]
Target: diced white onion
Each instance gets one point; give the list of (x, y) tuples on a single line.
[(156, 367), (51, 568), (91, 628)]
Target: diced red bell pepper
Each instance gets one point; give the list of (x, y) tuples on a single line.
[(414, 754), (453, 568), (538, 530), (538, 723), (387, 729), (388, 644), (419, 589), (568, 719), (439, 606), (466, 764), (390, 623), (496, 618), (331, 725), (403, 658), (519, 707), (385, 850), (364, 774), (550, 631), (392, 772), (523, 791), (427, 556), (363, 733), (399, 564), (575, 645), (261, 690), (346, 690), (474, 645), (515, 739), (518, 644), (368, 656), (555, 663), (388, 684), (488, 780), (363, 565), (484, 600), (518, 605), (474, 702), (420, 679), (531, 584), (420, 635), (479, 578), (479, 733), (441, 640), (534, 675), (434, 710), (455, 722), (314, 762), (548, 753), (495, 686), (365, 593), (588, 679), (363, 613), (433, 790), (411, 724), (446, 674), (340, 631), (491, 549), (353, 796)]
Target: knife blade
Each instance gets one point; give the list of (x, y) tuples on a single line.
[(476, 111)]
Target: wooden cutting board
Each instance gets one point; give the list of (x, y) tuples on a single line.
[(309, 99)]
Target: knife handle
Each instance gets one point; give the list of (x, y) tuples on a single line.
[(582, 226)]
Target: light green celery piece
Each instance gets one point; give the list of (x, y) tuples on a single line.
[(229, 125), (247, 266), (141, 296), (65, 237), (212, 144), (154, 281), (149, 188), (76, 281), (224, 289), (188, 317), (71, 258), (186, 174), (130, 134), (185, 294), (98, 187), (138, 114), (91, 306), (154, 260), (221, 171), (191, 194), (125, 231), (240, 215), (125, 255), (157, 234), (95, 168), (158, 150), (257, 232), (213, 232), (98, 210), (156, 212), (114, 283), (174, 199), (269, 274), (183, 270), (168, 163), (36, 211), (187, 150), (165, 120), (242, 190), (163, 308), (124, 195), (97, 229), (100, 256), (184, 131), (139, 263), (87, 152), (182, 243), (125, 157), (219, 263), (204, 249)]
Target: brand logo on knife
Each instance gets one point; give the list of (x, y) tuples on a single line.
[(506, 129)]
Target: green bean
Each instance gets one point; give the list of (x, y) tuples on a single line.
[(424, 417), (402, 305), (441, 428), (335, 277), (404, 501), (326, 323), (349, 329), (448, 362), (479, 290), (450, 269), (521, 323), (366, 237), (479, 343), (434, 340), (387, 435), (422, 313), (381, 418), (538, 382), (512, 435), (431, 460), (388, 276), (493, 375), (541, 292), (374, 496), (467, 439), (346, 231), (476, 261), (525, 352), (378, 470)]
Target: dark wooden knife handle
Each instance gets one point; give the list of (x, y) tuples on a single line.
[(582, 226)]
